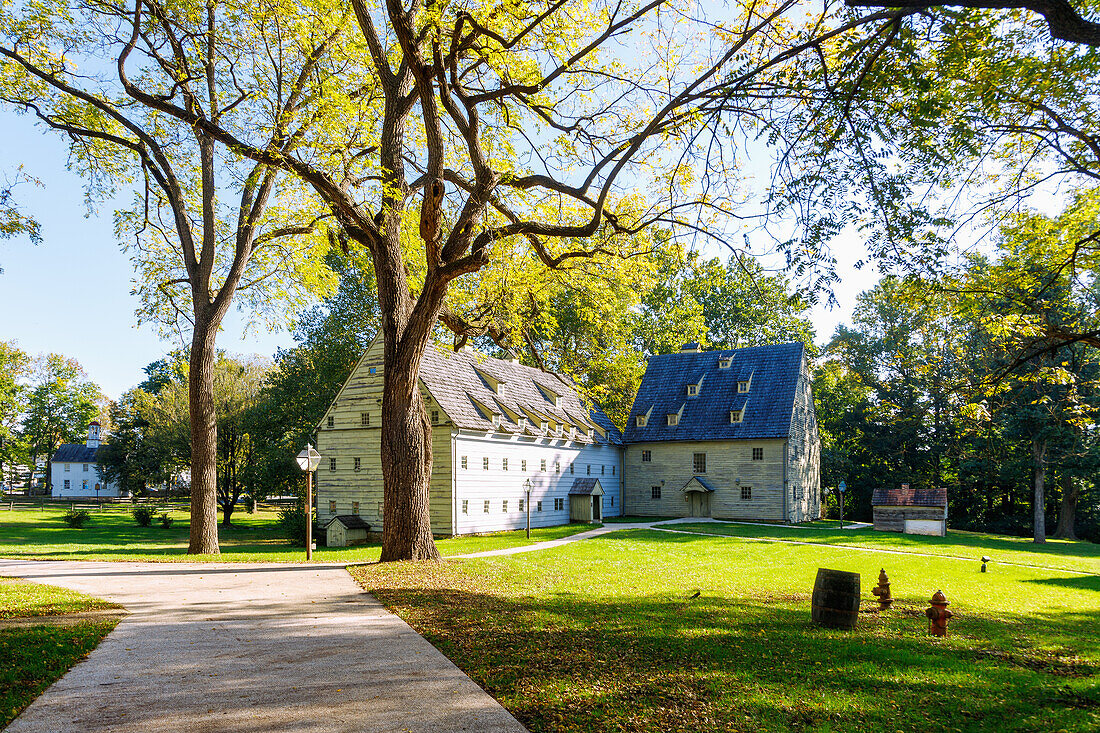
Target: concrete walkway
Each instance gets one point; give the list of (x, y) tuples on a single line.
[(249, 649)]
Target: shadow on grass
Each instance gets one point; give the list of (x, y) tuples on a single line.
[(567, 662), (1083, 582)]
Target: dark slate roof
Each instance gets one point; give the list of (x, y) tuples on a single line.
[(769, 404), (75, 453), (460, 381), (586, 487), (909, 497), (707, 485), (350, 521)]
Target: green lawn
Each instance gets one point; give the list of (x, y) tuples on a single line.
[(605, 635), (36, 656), (112, 534), (21, 599), (1060, 554)]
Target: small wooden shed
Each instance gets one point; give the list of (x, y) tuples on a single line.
[(586, 500), (912, 511), (346, 529)]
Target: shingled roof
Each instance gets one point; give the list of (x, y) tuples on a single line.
[(909, 497), (75, 453), (462, 382), (586, 487), (772, 371)]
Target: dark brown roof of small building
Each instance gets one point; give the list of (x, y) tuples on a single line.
[(586, 487), (350, 521), (909, 497)]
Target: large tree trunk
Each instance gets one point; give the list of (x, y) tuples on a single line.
[(204, 442), (1067, 517), (1039, 454), (406, 448)]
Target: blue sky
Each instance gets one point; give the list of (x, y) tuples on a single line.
[(71, 293)]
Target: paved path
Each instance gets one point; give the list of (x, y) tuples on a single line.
[(250, 649)]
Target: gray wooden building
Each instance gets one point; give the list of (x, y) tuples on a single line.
[(725, 434), (912, 511)]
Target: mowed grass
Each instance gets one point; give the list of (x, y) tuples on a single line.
[(112, 534), (606, 635), (34, 657), (1060, 554), (23, 599)]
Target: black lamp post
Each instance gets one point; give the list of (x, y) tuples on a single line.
[(308, 460), (527, 488)]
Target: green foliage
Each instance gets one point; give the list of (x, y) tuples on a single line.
[(76, 518), (165, 520), (143, 515), (137, 458), (292, 522), (238, 383)]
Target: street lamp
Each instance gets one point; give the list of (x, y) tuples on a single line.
[(840, 495), (527, 488), (308, 460)]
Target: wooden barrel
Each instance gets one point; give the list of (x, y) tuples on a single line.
[(835, 601)]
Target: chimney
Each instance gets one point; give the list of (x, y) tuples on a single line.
[(93, 435), (690, 347)]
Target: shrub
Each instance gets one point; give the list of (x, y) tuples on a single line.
[(76, 518), (249, 503), (143, 515), (292, 522), (165, 520)]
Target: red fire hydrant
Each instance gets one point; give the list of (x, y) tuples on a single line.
[(938, 614)]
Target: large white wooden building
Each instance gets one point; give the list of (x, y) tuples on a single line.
[(74, 472), (497, 425)]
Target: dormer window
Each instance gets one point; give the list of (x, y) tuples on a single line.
[(693, 390), (743, 386), (724, 362), (674, 418), (550, 395), (544, 426), (522, 422), (640, 420), (737, 416), (497, 385), (497, 419)]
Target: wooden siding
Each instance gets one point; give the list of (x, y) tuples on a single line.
[(476, 485), (349, 439), (804, 469), (729, 467), (893, 518)]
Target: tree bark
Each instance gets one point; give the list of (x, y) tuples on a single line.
[(1067, 517), (204, 440), (406, 440), (1039, 454)]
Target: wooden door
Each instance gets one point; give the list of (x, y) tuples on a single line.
[(699, 504)]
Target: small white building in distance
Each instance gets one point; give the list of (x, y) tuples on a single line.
[(75, 470), (497, 425)]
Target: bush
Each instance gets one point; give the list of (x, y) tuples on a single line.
[(143, 515), (292, 522), (165, 520), (76, 518), (249, 503)]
